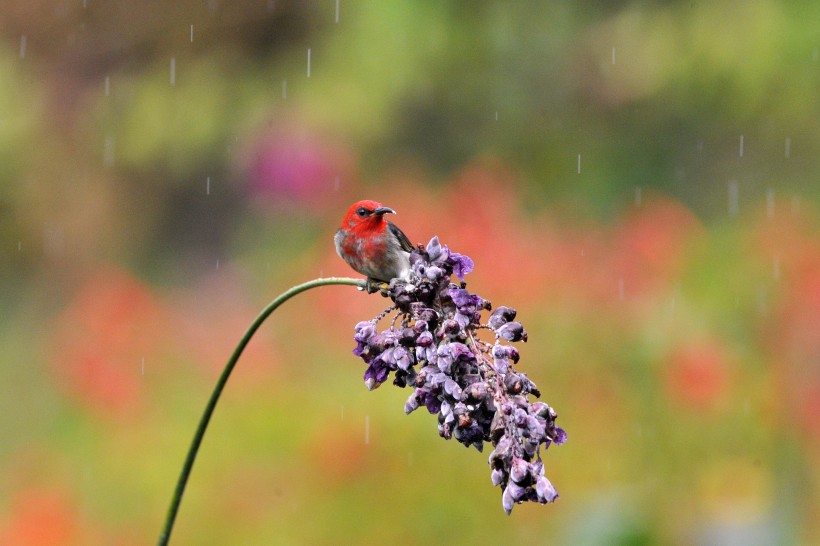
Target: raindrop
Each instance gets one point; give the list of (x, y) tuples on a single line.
[(613, 55), (496, 115), (217, 264), (788, 147), (19, 246), (337, 11), (108, 151), (173, 70), (741, 145), (107, 85), (367, 429), (815, 54), (142, 367), (776, 268), (579, 163), (770, 202), (284, 89), (192, 33), (336, 184), (308, 63), (700, 146), (271, 5), (22, 46), (208, 186), (733, 195), (638, 196)]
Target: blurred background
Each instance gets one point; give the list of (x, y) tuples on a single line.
[(639, 179)]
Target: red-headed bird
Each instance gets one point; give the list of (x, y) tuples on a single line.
[(371, 245)]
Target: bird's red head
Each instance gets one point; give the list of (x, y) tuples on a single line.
[(366, 215)]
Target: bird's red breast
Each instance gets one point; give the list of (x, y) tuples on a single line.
[(370, 244)]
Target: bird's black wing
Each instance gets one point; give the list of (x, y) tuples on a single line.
[(404, 242)]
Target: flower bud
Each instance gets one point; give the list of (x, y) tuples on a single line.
[(501, 316), (425, 339), (519, 471), (512, 331), (507, 501), (412, 404), (513, 383), (449, 328), (433, 250), (476, 392), (408, 337), (545, 491)]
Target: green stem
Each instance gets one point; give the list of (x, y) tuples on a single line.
[(220, 384)]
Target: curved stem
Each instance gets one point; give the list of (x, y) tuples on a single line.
[(220, 384)]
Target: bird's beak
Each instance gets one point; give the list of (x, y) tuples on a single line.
[(383, 210)]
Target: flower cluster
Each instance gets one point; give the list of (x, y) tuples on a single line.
[(433, 345)]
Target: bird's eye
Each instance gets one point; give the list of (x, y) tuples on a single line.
[(361, 211)]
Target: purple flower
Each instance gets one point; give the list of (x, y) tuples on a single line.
[(467, 306), (375, 375), (464, 301), (462, 265), (364, 331), (470, 384)]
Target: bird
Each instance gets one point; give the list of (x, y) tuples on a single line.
[(373, 246)]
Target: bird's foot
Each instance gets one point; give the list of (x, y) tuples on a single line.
[(375, 285)]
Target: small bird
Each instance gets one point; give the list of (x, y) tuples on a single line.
[(372, 245)]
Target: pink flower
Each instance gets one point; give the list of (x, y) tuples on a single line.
[(290, 165)]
